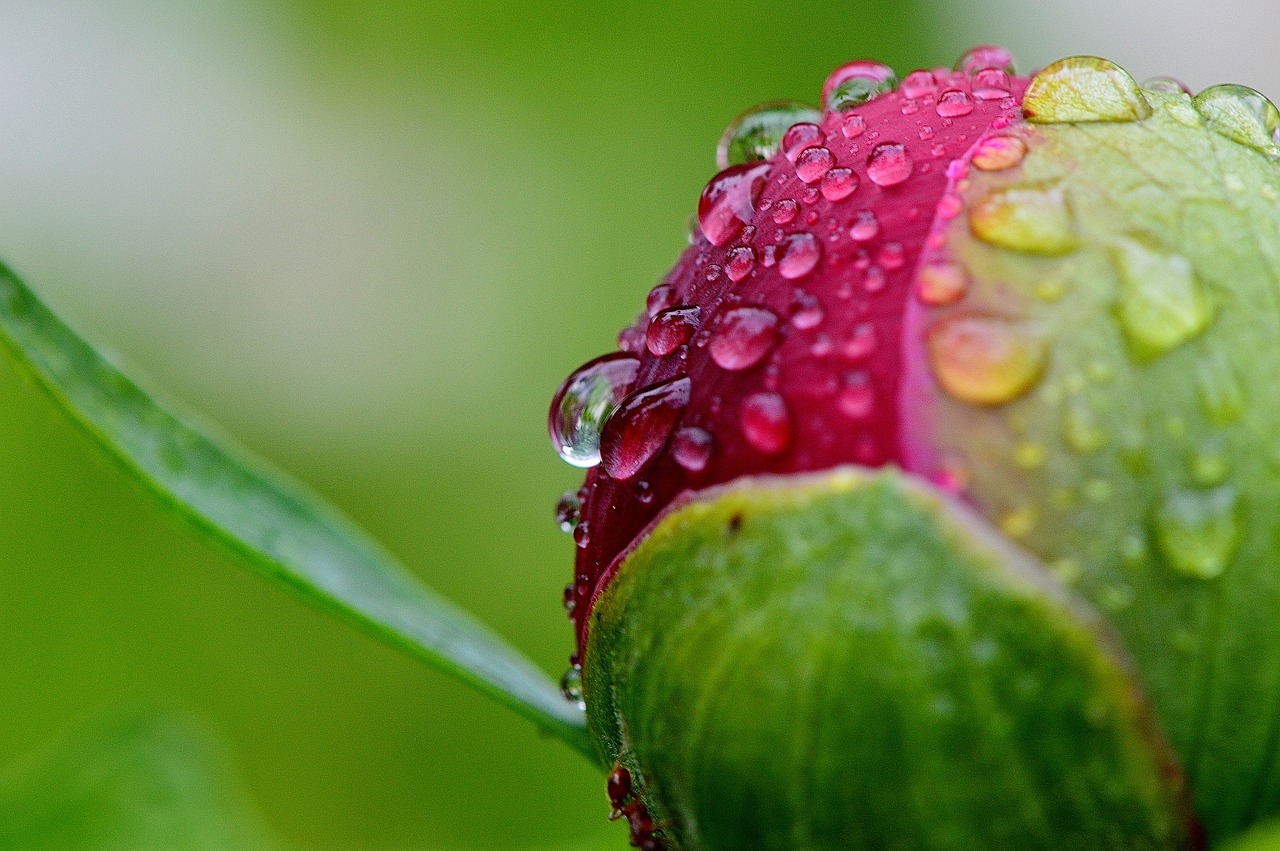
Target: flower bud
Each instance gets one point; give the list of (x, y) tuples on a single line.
[(932, 493)]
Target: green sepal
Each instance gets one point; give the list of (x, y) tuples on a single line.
[(853, 660)]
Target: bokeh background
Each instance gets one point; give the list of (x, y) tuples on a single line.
[(369, 239)]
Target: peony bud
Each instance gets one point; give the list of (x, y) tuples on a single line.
[(931, 501)]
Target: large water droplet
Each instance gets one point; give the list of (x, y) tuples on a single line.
[(756, 134), (1031, 220), (1198, 531), (991, 84), (813, 163), (998, 153), (739, 262), (856, 83), (766, 422), (986, 360), (641, 425), (1082, 89), (671, 329), (691, 448), (1162, 303), (742, 336), (985, 56), (1243, 115), (839, 183), (729, 200), (864, 226), (917, 84), (889, 164), (800, 256), (583, 404)]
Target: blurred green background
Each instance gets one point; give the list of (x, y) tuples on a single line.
[(369, 240)]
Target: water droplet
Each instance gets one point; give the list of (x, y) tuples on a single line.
[(1198, 531), (1082, 89), (856, 83), (998, 153), (875, 280), (917, 84), (991, 84), (954, 103), (729, 200), (941, 283), (1030, 220), (619, 788), (739, 263), (1080, 427), (801, 136), (1161, 302), (986, 360), (813, 163), (756, 134), (889, 164), (1166, 86), (583, 404), (985, 56), (864, 227), (806, 311), (691, 448), (853, 125), (1242, 115), (742, 336), (568, 511), (641, 425), (571, 687), (892, 256), (857, 399), (766, 423), (839, 183), (582, 535), (949, 206), (801, 254), (785, 211), (671, 329), (660, 298)]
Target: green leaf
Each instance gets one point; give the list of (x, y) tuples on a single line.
[(853, 660), (282, 531), (144, 780)]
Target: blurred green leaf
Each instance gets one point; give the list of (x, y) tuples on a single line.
[(276, 526), (144, 780)]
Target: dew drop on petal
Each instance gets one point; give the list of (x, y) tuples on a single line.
[(1166, 86), (991, 84), (861, 343), (855, 83), (853, 125), (739, 262), (889, 164), (785, 211), (641, 426), (766, 422), (584, 402), (691, 448), (659, 299), (799, 257), (813, 163), (671, 329), (729, 200), (998, 153), (742, 337), (1241, 114), (756, 134), (864, 226), (1161, 301), (941, 283), (839, 183), (917, 84), (985, 56), (986, 360), (806, 311), (1083, 89), (1034, 220), (857, 399), (800, 136), (1198, 531), (568, 511), (571, 687), (954, 103)]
